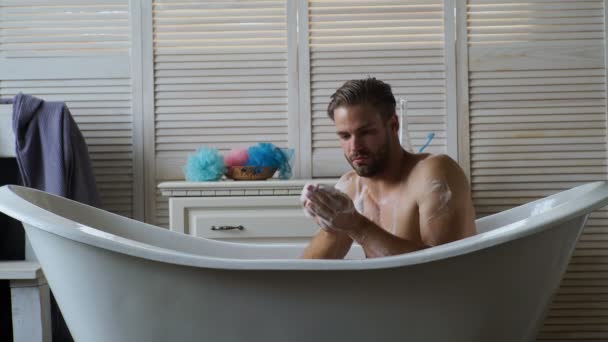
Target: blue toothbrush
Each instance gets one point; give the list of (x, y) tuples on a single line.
[(429, 138)]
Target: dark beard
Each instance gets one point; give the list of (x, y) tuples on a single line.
[(377, 161)]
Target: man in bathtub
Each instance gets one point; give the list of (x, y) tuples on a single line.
[(393, 201)]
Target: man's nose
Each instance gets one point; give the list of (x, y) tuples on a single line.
[(356, 143)]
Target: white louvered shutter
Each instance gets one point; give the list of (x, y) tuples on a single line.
[(78, 53), (399, 42), (220, 78), (537, 96)]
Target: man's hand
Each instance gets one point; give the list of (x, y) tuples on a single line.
[(332, 209), (330, 242)]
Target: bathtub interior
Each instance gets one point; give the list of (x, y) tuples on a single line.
[(98, 222)]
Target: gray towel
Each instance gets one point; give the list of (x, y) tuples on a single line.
[(51, 152)]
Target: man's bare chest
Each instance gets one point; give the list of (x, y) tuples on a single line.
[(397, 215)]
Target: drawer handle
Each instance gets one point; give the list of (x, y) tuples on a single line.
[(227, 228)]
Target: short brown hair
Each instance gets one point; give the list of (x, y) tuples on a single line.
[(370, 91)]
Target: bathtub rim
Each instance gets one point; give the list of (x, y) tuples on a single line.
[(12, 204)]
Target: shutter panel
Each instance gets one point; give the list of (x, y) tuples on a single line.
[(35, 28), (162, 210), (220, 78), (537, 92), (68, 51), (401, 43)]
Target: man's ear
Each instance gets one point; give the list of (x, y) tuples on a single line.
[(394, 123)]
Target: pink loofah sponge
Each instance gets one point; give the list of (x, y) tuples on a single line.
[(237, 157)]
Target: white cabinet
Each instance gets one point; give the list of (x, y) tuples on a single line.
[(240, 211)]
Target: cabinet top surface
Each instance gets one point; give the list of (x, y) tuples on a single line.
[(231, 185)]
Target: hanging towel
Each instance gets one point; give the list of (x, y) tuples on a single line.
[(51, 152)]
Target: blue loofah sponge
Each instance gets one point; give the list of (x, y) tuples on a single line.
[(267, 154), (205, 165)]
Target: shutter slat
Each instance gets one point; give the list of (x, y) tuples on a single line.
[(380, 31), (579, 13), (221, 72), (186, 80), (165, 30), (206, 36), (488, 2), (540, 89), (222, 94), (166, 7), (567, 124), (533, 6), (537, 104), (374, 39), (203, 50), (578, 169), (534, 81), (190, 134), (377, 61), (226, 57), (214, 115), (518, 134), (224, 144), (538, 120), (375, 46), (39, 25), (221, 65), (344, 15), (493, 37), (217, 87), (535, 163), (160, 110), (542, 152), (512, 21), (523, 29), (210, 139), (248, 13), (223, 123), (187, 21), (66, 3), (378, 24), (537, 141), (364, 3)]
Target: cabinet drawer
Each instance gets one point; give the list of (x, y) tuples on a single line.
[(251, 217)]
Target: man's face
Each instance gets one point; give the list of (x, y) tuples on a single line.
[(364, 137)]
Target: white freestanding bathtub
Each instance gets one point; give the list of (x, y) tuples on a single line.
[(117, 279)]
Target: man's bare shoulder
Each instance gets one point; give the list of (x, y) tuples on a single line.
[(437, 165), (347, 183), (434, 168)]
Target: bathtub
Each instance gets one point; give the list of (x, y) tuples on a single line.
[(117, 279)]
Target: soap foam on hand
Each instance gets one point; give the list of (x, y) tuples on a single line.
[(304, 198), (306, 190)]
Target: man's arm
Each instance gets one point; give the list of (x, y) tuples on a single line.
[(445, 205), (328, 245), (377, 242)]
